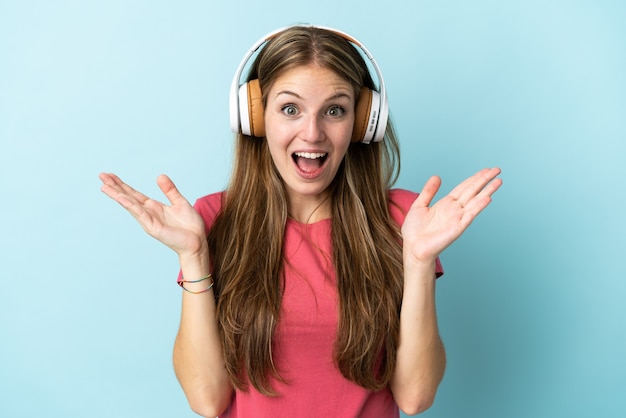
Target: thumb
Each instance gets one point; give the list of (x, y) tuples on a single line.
[(169, 189), (428, 192)]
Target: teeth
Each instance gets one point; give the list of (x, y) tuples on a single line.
[(310, 155)]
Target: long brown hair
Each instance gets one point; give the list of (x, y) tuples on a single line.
[(246, 240)]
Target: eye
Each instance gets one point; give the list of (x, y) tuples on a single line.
[(335, 111), (290, 110)]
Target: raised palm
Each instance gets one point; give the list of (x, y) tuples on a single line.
[(428, 230), (178, 225)]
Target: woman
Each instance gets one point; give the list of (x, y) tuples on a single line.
[(310, 283)]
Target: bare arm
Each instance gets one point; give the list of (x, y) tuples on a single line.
[(426, 232), (420, 361), (198, 358)]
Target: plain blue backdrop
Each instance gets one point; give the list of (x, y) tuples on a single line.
[(532, 304)]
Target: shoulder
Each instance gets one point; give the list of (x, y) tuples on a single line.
[(402, 197), (399, 201), (209, 207)]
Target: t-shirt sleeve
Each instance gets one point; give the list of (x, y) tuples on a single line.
[(400, 201), (208, 207)]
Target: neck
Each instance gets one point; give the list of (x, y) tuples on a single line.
[(309, 211)]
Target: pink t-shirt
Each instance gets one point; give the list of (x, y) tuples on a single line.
[(304, 337)]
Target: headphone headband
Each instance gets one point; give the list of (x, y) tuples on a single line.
[(377, 123)]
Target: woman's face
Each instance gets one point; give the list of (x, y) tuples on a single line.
[(309, 116)]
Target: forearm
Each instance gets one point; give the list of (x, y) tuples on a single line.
[(420, 361), (198, 360)]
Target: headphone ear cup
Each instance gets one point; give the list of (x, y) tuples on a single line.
[(366, 115), (251, 112)]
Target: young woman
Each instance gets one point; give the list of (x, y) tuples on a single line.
[(310, 282)]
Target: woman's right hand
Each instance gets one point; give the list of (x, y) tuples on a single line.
[(178, 226)]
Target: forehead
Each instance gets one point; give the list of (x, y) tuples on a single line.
[(311, 76)]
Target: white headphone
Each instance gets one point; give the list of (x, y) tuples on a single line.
[(246, 106)]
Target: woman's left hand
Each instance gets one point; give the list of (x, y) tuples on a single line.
[(428, 230)]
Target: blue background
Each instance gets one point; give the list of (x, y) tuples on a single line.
[(532, 305)]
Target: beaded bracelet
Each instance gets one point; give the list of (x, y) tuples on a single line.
[(182, 282)]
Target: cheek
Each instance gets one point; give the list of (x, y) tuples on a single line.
[(348, 128), (344, 150), (277, 146), (346, 135), (272, 134), (273, 148)]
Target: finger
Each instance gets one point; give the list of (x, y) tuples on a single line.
[(104, 177), (125, 190), (169, 189), (122, 193), (126, 201), (461, 187), (473, 185), (110, 185), (490, 188), (428, 192), (481, 200), (111, 179)]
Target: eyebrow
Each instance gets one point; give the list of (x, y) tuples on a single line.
[(333, 97)]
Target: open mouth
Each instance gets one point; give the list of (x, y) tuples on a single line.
[(309, 161)]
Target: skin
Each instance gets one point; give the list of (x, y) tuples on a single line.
[(309, 110), (302, 116)]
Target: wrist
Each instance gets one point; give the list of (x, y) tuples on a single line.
[(197, 286), (197, 257), (195, 267), (420, 267)]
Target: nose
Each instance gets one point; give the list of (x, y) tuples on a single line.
[(312, 129)]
